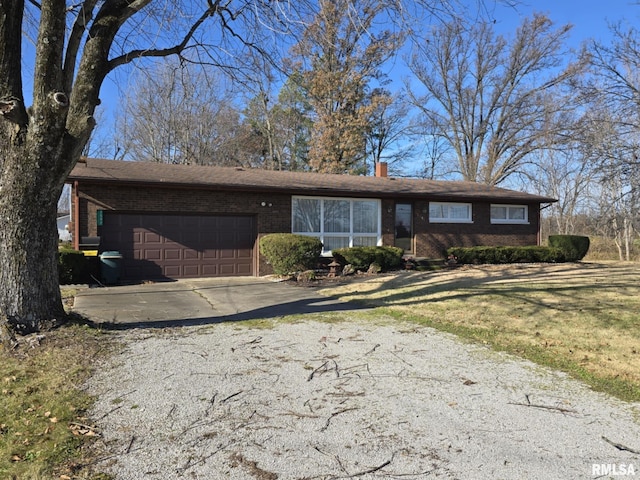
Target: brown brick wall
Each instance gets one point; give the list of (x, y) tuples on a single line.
[(432, 239)]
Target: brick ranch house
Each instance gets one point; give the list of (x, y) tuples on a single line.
[(178, 221)]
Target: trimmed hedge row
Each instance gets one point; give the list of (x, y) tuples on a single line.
[(362, 257), (289, 253), (533, 254), (562, 248)]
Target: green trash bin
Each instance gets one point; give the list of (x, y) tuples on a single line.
[(110, 267)]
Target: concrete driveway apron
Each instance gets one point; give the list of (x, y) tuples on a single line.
[(199, 302)]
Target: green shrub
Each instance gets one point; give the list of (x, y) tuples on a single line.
[(288, 253), (362, 257), (575, 247), (71, 266), (496, 255)]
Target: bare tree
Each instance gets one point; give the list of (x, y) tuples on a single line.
[(568, 176), (77, 44), (386, 135), (180, 116), (611, 134), (494, 100), (610, 146), (614, 95)]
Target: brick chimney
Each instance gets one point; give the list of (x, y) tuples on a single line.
[(381, 169)]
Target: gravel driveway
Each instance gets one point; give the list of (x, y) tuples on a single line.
[(348, 399)]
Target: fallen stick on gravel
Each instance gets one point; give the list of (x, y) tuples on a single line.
[(334, 414), (324, 368), (128, 449), (190, 463), (619, 446), (232, 395), (373, 349), (545, 407), (371, 470)]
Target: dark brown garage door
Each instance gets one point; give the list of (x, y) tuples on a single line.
[(180, 246)]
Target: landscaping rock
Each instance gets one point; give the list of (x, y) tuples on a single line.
[(374, 268), (306, 276), (348, 270)]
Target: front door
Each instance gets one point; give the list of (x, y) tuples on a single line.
[(403, 227)]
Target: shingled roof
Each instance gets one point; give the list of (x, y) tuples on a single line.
[(305, 183)]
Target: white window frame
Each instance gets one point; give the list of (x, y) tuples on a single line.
[(447, 219), (351, 233), (512, 221)]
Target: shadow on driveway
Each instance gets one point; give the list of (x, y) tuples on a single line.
[(200, 302)]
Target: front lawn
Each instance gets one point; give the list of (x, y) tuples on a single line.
[(581, 318)]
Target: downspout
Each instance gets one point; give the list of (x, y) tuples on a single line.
[(75, 216), (540, 208)]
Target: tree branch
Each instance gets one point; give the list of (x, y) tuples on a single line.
[(49, 51), (11, 61), (71, 55), (165, 52)]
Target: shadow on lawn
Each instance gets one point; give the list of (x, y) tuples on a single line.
[(560, 283)]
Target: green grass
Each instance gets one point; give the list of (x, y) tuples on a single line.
[(583, 319), (42, 405)]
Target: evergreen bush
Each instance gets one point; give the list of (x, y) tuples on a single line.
[(361, 258), (575, 247), (71, 266), (289, 253)]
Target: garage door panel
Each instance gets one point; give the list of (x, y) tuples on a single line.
[(172, 254), (211, 255), (226, 254), (172, 271), (190, 239), (180, 246), (151, 237), (172, 222), (189, 254), (244, 270), (210, 271), (152, 254), (228, 270), (191, 271)]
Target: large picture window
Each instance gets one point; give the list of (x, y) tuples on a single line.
[(509, 214), (337, 222), (442, 212)]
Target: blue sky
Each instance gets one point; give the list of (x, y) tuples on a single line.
[(589, 17)]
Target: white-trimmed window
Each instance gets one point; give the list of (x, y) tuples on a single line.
[(509, 213), (447, 212), (337, 222)]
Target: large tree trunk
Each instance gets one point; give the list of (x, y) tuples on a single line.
[(30, 294), (40, 145)]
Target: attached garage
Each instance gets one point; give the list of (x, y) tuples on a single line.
[(180, 245)]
